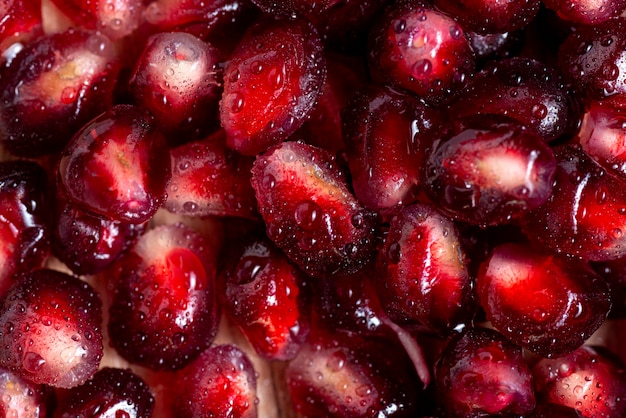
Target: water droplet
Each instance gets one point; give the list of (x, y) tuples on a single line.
[(190, 206), (179, 338), (394, 253), (268, 182), (363, 390), (276, 77), (539, 111), (99, 45), (248, 268), (234, 75), (68, 95), (116, 23), (564, 370), (350, 249), (336, 361), (583, 48), (422, 68), (308, 214), (358, 220), (236, 102), (399, 25), (610, 72), (307, 243), (455, 32), (606, 41), (33, 362), (256, 67)]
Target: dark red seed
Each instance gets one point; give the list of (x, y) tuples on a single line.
[(489, 169), (50, 329), (52, 88), (271, 84), (420, 49), (585, 215), (117, 166), (210, 179), (564, 300), (112, 393), (266, 297), (423, 268), (176, 78), (480, 374), (164, 311), (309, 211), (220, 383), (584, 380)]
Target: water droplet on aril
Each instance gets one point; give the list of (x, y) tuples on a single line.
[(308, 214), (248, 268), (33, 362), (394, 253)]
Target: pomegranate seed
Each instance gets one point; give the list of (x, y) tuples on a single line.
[(50, 329)]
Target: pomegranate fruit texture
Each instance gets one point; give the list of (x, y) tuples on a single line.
[(312, 209)]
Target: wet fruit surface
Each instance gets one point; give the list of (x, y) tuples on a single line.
[(164, 311), (50, 329), (338, 208)]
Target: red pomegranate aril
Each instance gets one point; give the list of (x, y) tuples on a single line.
[(523, 89), (266, 296), (21, 22), (112, 393), (50, 329), (587, 12), (420, 49), (210, 179), (309, 211), (295, 7), (87, 243), (488, 170), (602, 135), (164, 311), (564, 300), (24, 230), (593, 59), (376, 270), (482, 374), (342, 375), (586, 214), (271, 84), (55, 85), (22, 398), (176, 79), (221, 382), (424, 279), (584, 380), (167, 15), (490, 16), (386, 133), (118, 165), (114, 18)]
